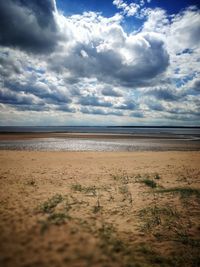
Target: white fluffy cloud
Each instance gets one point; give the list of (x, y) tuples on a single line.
[(132, 9)]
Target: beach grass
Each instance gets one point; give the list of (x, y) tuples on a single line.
[(149, 182), (51, 203), (184, 192)]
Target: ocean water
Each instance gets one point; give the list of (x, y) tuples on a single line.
[(151, 139)]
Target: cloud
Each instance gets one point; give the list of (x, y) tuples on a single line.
[(128, 60), (98, 111), (65, 108), (180, 33), (9, 97), (127, 105), (93, 101), (89, 64), (196, 85), (166, 94), (155, 106), (137, 114), (132, 9), (109, 91), (128, 9), (185, 30), (9, 65), (28, 25)]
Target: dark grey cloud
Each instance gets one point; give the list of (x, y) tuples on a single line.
[(166, 94), (156, 106), (28, 25), (45, 92), (9, 97), (108, 65), (65, 108), (22, 102), (33, 107), (93, 101), (196, 85), (49, 94), (9, 66)]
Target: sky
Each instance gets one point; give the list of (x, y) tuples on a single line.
[(99, 62)]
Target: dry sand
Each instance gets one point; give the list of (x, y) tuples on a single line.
[(99, 209)]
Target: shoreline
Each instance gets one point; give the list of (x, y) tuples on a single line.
[(98, 142), (40, 135)]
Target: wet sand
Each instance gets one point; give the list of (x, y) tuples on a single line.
[(28, 136), (99, 209), (98, 142)]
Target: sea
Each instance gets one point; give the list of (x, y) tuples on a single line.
[(142, 138)]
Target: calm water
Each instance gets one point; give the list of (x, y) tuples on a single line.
[(173, 139)]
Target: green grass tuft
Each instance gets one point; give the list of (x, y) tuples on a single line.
[(155, 216), (77, 187), (149, 182), (85, 189), (157, 176), (58, 218), (49, 205), (97, 207), (183, 191)]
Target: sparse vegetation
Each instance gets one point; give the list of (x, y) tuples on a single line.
[(101, 212), (183, 237), (31, 182), (77, 187), (53, 219), (51, 203), (123, 178), (57, 218), (97, 207), (112, 246), (149, 182), (157, 176), (90, 218), (155, 216), (162, 222), (118, 250), (124, 190), (84, 189), (183, 191)]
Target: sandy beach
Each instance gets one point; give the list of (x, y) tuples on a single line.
[(99, 209)]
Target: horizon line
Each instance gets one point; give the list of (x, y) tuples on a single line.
[(108, 126)]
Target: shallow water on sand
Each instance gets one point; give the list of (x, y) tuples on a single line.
[(78, 144)]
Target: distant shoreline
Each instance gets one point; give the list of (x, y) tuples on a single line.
[(106, 126)]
